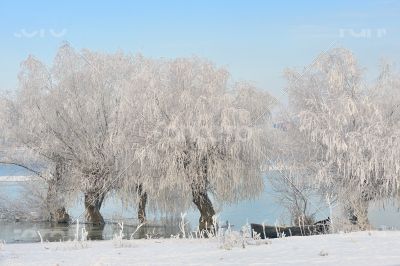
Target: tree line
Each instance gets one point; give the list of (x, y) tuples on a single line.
[(171, 134)]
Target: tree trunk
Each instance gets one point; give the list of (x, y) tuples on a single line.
[(60, 216), (55, 204), (204, 204), (57, 211), (142, 204), (358, 215), (358, 212), (94, 232), (92, 206)]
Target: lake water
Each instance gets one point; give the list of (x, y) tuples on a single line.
[(262, 209), (12, 170), (24, 232)]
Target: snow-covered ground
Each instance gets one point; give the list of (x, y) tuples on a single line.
[(359, 248)]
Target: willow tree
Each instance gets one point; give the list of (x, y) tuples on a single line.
[(385, 94), (344, 142), (204, 137), (71, 112), (25, 138), (139, 93)]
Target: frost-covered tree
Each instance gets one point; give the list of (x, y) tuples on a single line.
[(344, 141), (203, 136), (22, 149), (385, 94), (140, 91), (69, 115)]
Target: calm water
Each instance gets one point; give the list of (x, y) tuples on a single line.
[(259, 210), (12, 170), (263, 209), (20, 232)]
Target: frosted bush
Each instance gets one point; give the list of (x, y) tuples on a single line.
[(231, 239)]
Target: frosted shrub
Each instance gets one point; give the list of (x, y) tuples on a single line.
[(246, 230), (118, 239), (182, 225), (80, 240), (136, 230), (231, 239)]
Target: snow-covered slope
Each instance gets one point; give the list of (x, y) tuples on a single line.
[(360, 248)]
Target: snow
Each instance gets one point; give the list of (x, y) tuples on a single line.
[(357, 248)]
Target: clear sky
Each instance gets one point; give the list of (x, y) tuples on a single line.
[(256, 40)]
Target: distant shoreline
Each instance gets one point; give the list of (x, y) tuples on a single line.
[(20, 178)]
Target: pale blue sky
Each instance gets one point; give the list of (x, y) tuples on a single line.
[(256, 40)]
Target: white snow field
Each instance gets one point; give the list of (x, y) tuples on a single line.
[(357, 248)]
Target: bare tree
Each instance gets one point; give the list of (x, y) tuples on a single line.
[(295, 194)]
